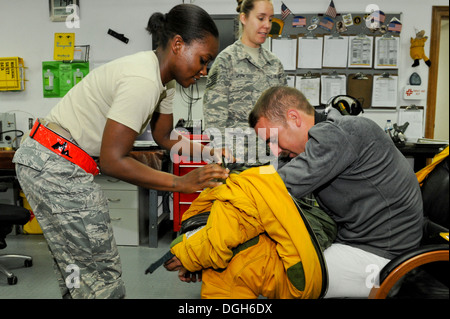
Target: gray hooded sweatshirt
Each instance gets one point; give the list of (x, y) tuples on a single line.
[(362, 181)]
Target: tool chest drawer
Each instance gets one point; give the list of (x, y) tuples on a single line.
[(181, 166), (188, 198)]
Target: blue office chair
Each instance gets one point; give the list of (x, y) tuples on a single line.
[(12, 215)]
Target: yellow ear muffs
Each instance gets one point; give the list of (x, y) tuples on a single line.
[(347, 105)]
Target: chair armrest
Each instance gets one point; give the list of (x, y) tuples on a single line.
[(401, 265), (431, 233), (13, 215)]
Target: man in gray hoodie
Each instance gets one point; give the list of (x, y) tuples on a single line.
[(358, 177)]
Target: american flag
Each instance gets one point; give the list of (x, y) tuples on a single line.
[(299, 21), (326, 23), (378, 16), (395, 27), (285, 12), (331, 11)]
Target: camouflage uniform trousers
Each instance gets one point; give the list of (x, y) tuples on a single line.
[(73, 213)]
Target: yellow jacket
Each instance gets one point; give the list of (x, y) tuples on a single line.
[(253, 202)]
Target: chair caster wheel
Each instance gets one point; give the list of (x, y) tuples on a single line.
[(28, 263), (12, 280)]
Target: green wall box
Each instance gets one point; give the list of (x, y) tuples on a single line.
[(59, 77)]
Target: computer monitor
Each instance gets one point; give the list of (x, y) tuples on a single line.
[(145, 139)]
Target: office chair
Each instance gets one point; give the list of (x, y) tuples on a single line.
[(12, 215), (429, 261)]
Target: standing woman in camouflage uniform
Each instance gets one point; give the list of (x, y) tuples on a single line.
[(239, 75), (101, 117)]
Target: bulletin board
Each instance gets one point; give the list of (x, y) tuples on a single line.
[(354, 53)]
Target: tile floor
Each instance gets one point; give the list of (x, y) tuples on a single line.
[(39, 281)]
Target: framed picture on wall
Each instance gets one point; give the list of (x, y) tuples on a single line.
[(61, 9)]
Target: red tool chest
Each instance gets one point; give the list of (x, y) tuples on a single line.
[(181, 166)]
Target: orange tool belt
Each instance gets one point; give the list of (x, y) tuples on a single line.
[(63, 147)]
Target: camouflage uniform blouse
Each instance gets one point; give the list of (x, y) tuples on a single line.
[(234, 84)]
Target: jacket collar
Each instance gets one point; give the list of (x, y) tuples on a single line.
[(241, 54), (319, 117)]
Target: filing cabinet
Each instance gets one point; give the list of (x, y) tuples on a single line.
[(123, 205)]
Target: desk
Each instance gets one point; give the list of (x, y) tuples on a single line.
[(420, 152), (148, 198), (6, 163)]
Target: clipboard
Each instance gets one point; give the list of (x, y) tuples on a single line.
[(360, 51), (310, 52), (332, 85), (309, 85), (335, 50), (285, 48), (290, 80), (414, 116), (360, 87), (385, 90), (387, 49)]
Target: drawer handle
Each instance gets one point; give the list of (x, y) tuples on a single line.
[(113, 180), (185, 203), (116, 218), (114, 200)]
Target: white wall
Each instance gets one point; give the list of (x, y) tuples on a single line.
[(26, 31)]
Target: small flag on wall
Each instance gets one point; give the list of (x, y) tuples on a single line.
[(285, 12), (395, 25), (299, 21), (326, 23), (331, 11)]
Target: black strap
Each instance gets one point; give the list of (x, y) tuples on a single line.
[(167, 256)]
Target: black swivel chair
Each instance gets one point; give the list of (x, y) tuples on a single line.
[(423, 272), (12, 215)]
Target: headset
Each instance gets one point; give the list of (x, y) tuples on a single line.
[(346, 104)]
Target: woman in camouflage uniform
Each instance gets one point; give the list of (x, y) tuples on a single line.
[(103, 115), (239, 75)]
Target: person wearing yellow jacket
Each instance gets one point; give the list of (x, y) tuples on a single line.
[(255, 242)]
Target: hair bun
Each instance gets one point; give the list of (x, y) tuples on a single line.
[(238, 8), (156, 23), (189, 21)]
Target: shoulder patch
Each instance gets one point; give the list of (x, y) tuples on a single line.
[(212, 80)]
